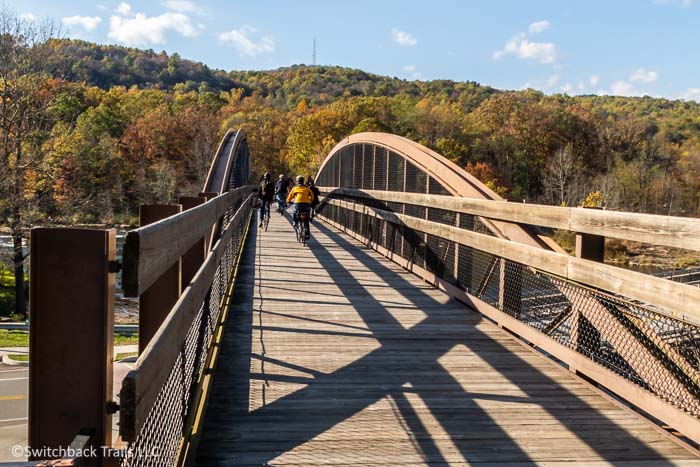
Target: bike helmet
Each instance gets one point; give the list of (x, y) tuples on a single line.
[(300, 180), (267, 175), (281, 177)]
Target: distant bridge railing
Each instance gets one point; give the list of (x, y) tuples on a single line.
[(636, 335)]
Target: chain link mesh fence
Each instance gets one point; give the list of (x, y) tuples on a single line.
[(160, 437), (647, 348)]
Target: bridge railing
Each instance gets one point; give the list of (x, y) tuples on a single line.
[(634, 334), (159, 397)]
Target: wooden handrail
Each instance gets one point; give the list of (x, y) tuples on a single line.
[(141, 386), (662, 293), (671, 231), (150, 250)]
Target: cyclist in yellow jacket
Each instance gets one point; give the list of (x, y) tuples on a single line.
[(302, 197)]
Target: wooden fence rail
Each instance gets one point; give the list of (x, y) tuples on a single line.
[(676, 232), (677, 300), (142, 385), (150, 250)]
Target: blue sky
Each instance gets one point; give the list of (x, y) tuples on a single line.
[(625, 47)]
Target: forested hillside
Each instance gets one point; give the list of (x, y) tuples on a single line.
[(89, 132), (124, 126)]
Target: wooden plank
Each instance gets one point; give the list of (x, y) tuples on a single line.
[(676, 232), (149, 251), (193, 259), (426, 382), (142, 385), (676, 300), (156, 301), (639, 397), (71, 335)]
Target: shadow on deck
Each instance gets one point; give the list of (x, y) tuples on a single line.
[(334, 355)]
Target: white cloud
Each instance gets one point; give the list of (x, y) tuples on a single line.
[(683, 3), (182, 6), (124, 9), (238, 38), (413, 71), (623, 88), (693, 94), (539, 26), (551, 81), (403, 38), (137, 29), (521, 47), (644, 76), (594, 80), (570, 88), (546, 84), (89, 23), (27, 17)]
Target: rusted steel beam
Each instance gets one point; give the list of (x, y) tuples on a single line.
[(156, 301), (71, 335)]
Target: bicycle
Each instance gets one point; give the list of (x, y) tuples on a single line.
[(281, 205), (265, 209), (302, 228)]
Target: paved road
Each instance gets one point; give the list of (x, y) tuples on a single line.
[(14, 388), (14, 385), (130, 348)]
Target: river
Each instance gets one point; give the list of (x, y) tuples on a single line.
[(125, 309)]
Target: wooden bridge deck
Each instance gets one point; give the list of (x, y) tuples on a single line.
[(334, 355)]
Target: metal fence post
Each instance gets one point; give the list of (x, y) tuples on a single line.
[(156, 302), (586, 336), (71, 335)]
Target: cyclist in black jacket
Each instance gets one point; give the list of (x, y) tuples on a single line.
[(266, 191), (317, 197)]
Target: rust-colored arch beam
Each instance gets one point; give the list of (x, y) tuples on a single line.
[(222, 163), (452, 177)]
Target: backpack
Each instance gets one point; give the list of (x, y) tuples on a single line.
[(268, 187), (317, 194)]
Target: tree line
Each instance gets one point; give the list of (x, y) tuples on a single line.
[(89, 132)]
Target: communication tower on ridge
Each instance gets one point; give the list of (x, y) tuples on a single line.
[(313, 56)]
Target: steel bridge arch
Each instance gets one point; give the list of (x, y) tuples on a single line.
[(230, 167), (442, 177)]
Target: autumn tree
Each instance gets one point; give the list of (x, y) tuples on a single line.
[(27, 94), (561, 178)]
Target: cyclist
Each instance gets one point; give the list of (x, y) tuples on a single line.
[(281, 191), (317, 197), (265, 192), (302, 197)]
